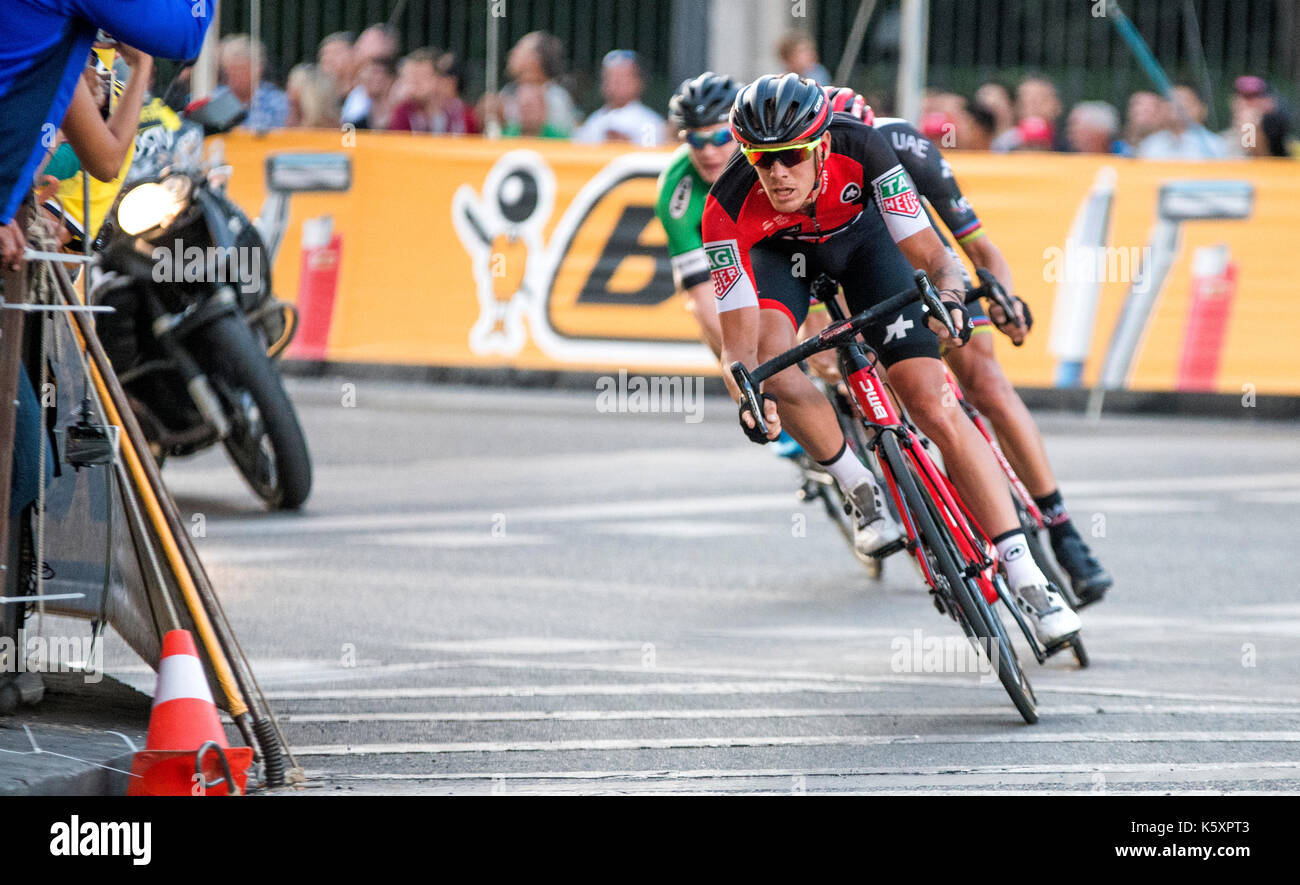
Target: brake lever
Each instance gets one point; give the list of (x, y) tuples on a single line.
[(746, 385), (992, 289), (932, 303)]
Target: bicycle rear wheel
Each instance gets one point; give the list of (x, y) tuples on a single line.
[(978, 617)]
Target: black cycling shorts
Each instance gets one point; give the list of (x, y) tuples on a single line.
[(868, 266)]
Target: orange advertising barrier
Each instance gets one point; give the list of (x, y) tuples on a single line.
[(546, 255)]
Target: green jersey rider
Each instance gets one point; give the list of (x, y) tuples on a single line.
[(700, 111)]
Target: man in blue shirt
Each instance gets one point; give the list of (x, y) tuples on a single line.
[(43, 49), (44, 45)]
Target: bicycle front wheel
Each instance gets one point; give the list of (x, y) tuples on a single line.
[(975, 612)]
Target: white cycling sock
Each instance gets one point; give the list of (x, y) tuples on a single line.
[(1022, 571), (848, 470)]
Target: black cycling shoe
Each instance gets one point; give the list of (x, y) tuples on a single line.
[(1087, 578)]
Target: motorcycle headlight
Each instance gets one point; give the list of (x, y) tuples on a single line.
[(153, 204)]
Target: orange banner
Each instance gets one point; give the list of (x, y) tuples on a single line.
[(540, 254)]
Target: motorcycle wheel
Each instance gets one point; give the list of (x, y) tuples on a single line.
[(265, 441)]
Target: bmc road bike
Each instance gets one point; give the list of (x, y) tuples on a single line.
[(957, 560)]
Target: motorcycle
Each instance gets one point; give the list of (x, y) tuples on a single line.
[(196, 329)]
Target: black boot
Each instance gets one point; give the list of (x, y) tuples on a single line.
[(1087, 577)]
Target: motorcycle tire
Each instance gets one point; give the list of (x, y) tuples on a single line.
[(243, 376)]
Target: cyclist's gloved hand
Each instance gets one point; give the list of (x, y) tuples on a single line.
[(751, 426), (1015, 328), (961, 320)]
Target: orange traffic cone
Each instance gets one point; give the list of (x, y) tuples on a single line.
[(186, 753)]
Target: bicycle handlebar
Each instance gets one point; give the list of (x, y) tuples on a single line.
[(993, 291), (835, 335)]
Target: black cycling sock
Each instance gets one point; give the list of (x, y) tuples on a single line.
[(1056, 517), (1009, 533)]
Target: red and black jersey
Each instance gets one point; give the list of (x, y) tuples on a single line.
[(861, 176)]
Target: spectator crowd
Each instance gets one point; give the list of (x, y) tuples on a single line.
[(1032, 118), (363, 81)]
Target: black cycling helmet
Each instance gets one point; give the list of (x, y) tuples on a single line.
[(701, 102), (777, 110)]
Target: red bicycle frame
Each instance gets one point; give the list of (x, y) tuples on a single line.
[(1017, 487), (976, 551)]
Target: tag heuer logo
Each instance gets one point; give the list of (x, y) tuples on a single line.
[(897, 196), (681, 198), (850, 193), (903, 204), (724, 265)]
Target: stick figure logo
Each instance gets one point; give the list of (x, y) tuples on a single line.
[(502, 231), (616, 266)]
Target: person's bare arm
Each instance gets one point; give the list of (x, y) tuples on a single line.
[(12, 244), (739, 342), (102, 145), (924, 250), (986, 256), (701, 303)]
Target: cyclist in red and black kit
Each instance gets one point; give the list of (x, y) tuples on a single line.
[(976, 365), (813, 192)]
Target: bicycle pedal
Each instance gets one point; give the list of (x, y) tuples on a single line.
[(938, 603), (1059, 645), (890, 549)]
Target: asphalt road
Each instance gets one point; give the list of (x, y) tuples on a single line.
[(512, 592)]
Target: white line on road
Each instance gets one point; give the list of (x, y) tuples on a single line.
[(1082, 503), (529, 645), (1221, 483), (1287, 496), (682, 743), (567, 690), (214, 554), (708, 504), (677, 528), (772, 713), (642, 507), (453, 539), (787, 773), (821, 677)]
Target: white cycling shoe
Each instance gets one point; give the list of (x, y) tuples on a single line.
[(1053, 620), (874, 526)]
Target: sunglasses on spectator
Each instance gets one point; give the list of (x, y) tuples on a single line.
[(698, 140), (789, 155)]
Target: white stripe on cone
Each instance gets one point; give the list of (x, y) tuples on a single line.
[(181, 676)]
